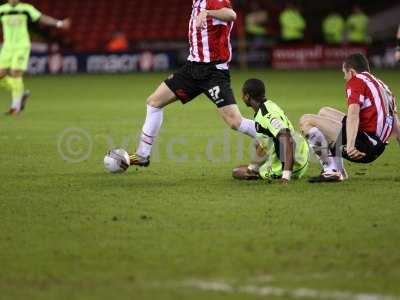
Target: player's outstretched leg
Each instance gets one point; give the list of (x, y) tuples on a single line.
[(331, 113), (233, 118), (321, 132), (19, 95), (151, 128)]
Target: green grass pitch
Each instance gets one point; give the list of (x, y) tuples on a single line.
[(183, 229)]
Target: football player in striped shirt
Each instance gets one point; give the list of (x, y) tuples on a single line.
[(205, 72), (15, 17), (362, 134)]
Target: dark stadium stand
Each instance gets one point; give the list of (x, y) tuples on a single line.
[(94, 21)]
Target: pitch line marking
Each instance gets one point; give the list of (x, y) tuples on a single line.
[(298, 293)]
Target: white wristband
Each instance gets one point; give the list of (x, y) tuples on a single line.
[(286, 175), (59, 24)]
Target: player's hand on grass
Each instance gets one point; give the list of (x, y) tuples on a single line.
[(201, 20), (243, 173), (353, 153)]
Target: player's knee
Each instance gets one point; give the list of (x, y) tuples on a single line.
[(235, 126), (232, 118), (305, 122), (234, 123), (153, 101), (324, 111)]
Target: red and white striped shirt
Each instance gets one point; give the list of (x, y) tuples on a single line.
[(211, 43), (377, 104)]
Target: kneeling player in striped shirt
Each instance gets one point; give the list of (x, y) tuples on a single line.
[(360, 136), (282, 153)]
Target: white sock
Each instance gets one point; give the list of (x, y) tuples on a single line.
[(248, 127), (340, 166), (320, 146), (16, 103), (150, 130), (331, 166)]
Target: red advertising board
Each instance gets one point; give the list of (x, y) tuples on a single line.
[(313, 56)]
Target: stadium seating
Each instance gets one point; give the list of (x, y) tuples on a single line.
[(94, 21)]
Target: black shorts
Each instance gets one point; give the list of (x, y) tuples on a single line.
[(367, 143), (194, 79)]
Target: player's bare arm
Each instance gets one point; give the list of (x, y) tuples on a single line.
[(259, 159), (49, 21), (353, 121), (224, 14), (250, 172), (287, 144)]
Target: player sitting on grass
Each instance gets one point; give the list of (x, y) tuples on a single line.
[(281, 152), (362, 135), (14, 57)]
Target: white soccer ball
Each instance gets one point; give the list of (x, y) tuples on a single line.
[(117, 161)]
